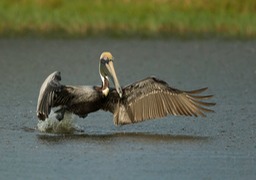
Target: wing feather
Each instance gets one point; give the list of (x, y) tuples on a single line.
[(79, 100), (153, 98), (51, 94), (47, 93)]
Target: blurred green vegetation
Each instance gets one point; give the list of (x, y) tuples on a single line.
[(128, 18)]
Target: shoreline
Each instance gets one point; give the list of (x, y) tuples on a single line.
[(127, 19)]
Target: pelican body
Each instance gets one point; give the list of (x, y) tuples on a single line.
[(149, 98)]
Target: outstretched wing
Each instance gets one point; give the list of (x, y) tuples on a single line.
[(153, 98), (79, 100), (47, 94)]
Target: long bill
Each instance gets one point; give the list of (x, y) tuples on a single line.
[(112, 73)]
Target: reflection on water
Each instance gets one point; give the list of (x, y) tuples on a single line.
[(54, 131), (134, 136)]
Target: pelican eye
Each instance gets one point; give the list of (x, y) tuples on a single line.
[(103, 61)]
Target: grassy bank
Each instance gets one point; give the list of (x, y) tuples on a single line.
[(121, 18)]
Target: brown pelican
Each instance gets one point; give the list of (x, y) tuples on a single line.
[(146, 99)]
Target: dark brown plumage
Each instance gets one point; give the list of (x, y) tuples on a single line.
[(149, 98), (153, 98)]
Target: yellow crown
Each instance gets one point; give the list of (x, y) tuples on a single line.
[(106, 55)]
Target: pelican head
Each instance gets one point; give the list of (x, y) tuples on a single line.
[(107, 70)]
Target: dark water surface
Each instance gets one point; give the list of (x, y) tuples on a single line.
[(221, 146)]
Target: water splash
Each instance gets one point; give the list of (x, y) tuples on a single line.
[(65, 126)]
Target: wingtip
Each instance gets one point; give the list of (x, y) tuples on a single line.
[(197, 91), (57, 74)]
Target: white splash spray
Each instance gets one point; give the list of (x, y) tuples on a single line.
[(52, 125)]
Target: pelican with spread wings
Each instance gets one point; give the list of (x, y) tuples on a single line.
[(149, 98)]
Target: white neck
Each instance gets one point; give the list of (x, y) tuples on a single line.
[(105, 91)]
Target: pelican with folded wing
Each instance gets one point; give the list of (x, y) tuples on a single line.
[(149, 98)]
